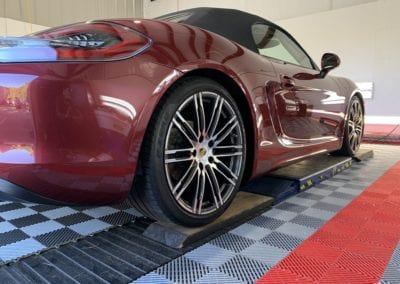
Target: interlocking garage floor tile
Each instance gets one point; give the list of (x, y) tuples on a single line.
[(243, 269), (250, 231), (281, 240), (392, 272), (211, 255), (356, 246), (265, 240), (29, 228), (184, 270), (239, 256)]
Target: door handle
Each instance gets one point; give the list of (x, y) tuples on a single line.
[(287, 82)]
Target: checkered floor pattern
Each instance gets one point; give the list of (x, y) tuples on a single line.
[(26, 229), (247, 252), (392, 272)]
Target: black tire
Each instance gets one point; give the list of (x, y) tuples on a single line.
[(152, 192), (354, 129)]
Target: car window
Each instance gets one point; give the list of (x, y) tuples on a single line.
[(272, 42)]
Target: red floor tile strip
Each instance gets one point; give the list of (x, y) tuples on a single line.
[(382, 134), (355, 246)]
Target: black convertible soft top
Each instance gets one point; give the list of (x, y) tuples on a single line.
[(233, 24)]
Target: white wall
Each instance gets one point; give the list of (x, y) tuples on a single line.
[(367, 39), (61, 12), (10, 27)]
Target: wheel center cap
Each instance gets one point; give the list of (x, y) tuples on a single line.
[(202, 152)]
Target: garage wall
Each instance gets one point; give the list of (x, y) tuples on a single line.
[(10, 27), (367, 38), (60, 12)]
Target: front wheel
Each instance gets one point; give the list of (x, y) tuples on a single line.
[(193, 155), (354, 128)]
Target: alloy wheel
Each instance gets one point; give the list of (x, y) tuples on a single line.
[(203, 153), (355, 125)]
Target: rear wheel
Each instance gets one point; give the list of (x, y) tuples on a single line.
[(354, 128), (193, 155)]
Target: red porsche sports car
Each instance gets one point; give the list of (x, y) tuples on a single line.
[(177, 111)]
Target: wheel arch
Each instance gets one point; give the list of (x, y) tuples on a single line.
[(355, 93), (238, 93), (358, 94)]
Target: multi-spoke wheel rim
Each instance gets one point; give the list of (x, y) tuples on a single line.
[(355, 125), (203, 153)]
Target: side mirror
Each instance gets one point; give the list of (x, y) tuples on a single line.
[(329, 61)]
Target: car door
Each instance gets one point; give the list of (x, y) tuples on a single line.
[(305, 109)]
